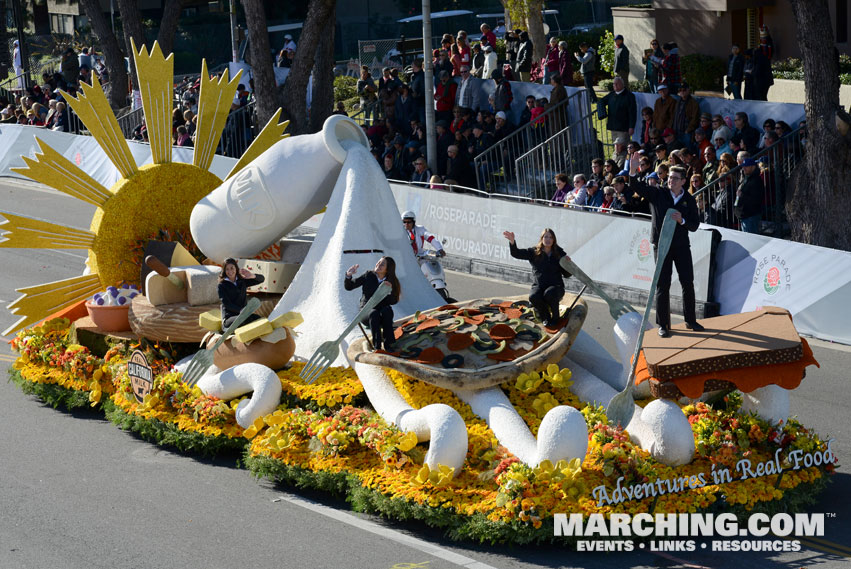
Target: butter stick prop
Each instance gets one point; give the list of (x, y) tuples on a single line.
[(162, 270)]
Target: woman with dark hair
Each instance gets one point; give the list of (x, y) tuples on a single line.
[(233, 283), (548, 285), (380, 319)]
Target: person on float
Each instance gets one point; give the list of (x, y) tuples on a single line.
[(419, 235), (686, 216), (380, 318), (548, 283), (233, 283)]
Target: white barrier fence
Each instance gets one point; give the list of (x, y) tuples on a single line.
[(813, 283)]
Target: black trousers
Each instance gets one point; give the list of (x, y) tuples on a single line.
[(546, 301), (679, 255), (380, 322), (229, 320)]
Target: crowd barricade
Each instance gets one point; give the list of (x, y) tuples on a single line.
[(715, 200)]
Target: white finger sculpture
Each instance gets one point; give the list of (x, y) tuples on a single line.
[(242, 379), (562, 434), (438, 423)]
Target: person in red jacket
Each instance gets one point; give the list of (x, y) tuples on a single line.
[(444, 97), (551, 60)]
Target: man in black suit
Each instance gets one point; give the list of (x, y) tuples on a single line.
[(686, 217)]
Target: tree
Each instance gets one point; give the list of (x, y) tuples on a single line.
[(528, 14), (815, 201), (168, 24), (117, 91), (294, 101), (131, 23), (322, 101), (259, 52), (311, 52)]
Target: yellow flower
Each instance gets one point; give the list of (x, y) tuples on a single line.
[(255, 428), (528, 382), (543, 403), (408, 441)]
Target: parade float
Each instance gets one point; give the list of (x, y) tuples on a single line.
[(483, 422)]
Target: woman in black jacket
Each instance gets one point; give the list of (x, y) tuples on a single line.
[(380, 318), (548, 286), (233, 283)]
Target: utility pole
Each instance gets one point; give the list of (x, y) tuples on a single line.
[(234, 38), (428, 68)]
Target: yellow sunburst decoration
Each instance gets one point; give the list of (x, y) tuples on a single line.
[(143, 201)]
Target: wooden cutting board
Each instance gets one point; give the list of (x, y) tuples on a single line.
[(761, 337)]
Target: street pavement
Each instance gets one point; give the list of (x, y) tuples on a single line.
[(76, 492)]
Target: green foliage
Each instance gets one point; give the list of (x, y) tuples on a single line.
[(54, 395), (640, 86), (345, 87), (703, 72), (793, 69), (606, 53), (170, 435)]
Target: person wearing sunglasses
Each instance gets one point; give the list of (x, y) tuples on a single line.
[(686, 217)]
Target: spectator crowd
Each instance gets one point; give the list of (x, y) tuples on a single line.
[(673, 132)]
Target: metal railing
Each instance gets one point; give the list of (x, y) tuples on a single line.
[(369, 114), (129, 121), (496, 169), (238, 132), (716, 200)]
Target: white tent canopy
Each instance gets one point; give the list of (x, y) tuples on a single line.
[(436, 15)]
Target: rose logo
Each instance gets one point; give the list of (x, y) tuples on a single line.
[(643, 250), (78, 158), (771, 283)]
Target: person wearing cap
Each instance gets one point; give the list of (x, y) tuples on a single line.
[(670, 66), (663, 108), (686, 218), (587, 58), (620, 107), (465, 92), (502, 128), (621, 66), (686, 115), (700, 144), (490, 63), (749, 196), (502, 95), (669, 137), (523, 66), (722, 135), (444, 97), (289, 44), (661, 152)]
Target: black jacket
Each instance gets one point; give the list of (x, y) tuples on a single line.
[(233, 295), (750, 202), (620, 108), (545, 268), (370, 284), (660, 201)]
